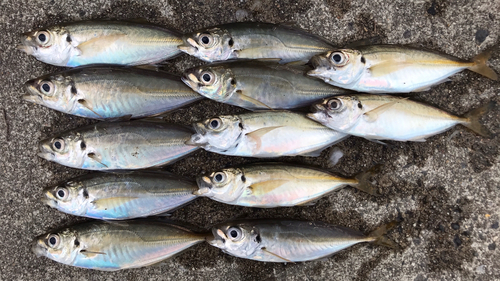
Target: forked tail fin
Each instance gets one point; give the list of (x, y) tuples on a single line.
[(379, 238), (481, 67), (472, 119)]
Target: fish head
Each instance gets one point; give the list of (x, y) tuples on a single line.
[(61, 246), (236, 238), (339, 112), (224, 186), (67, 149), (339, 67), (71, 198), (50, 45), (214, 82), (212, 44), (218, 133), (52, 91)]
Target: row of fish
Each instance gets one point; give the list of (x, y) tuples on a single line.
[(143, 144), (279, 68), (372, 69), (119, 196), (113, 246)]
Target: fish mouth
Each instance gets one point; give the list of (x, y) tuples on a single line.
[(318, 113), (189, 47), (26, 49), (44, 152), (33, 95), (204, 186), (38, 247), (198, 139), (48, 199), (191, 81), (219, 238)]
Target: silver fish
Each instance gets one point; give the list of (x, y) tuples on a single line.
[(269, 185), (113, 246), (251, 40), (290, 240), (381, 117), (101, 41), (264, 134), (112, 196), (110, 92), (392, 68), (118, 145), (257, 85)]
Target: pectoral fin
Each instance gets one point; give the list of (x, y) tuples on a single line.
[(278, 256), (252, 100), (266, 186), (91, 254), (95, 158), (112, 202), (257, 135), (387, 67), (89, 107), (373, 115), (98, 44)]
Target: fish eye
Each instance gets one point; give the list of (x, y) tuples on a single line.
[(62, 193), (338, 58), (207, 78), (234, 233), (334, 104), (206, 40), (219, 177), (58, 145), (42, 37), (46, 87), (53, 240), (215, 123)]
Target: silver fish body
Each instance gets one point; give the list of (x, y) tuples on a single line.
[(250, 40), (118, 145), (286, 240), (258, 86), (113, 246), (392, 68), (264, 134), (270, 185), (101, 42), (111, 196), (382, 117), (110, 92)]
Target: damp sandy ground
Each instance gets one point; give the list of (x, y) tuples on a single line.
[(444, 192)]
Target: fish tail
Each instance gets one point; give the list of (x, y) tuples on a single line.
[(481, 67), (378, 235), (364, 183), (472, 119)]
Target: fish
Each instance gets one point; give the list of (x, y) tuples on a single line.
[(101, 42), (392, 68), (111, 146), (264, 134), (384, 117), (270, 185), (120, 196), (110, 92), (106, 246), (258, 85), (290, 240), (253, 40)]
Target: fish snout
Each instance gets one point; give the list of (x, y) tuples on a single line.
[(45, 152), (204, 186), (189, 47), (38, 247)]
